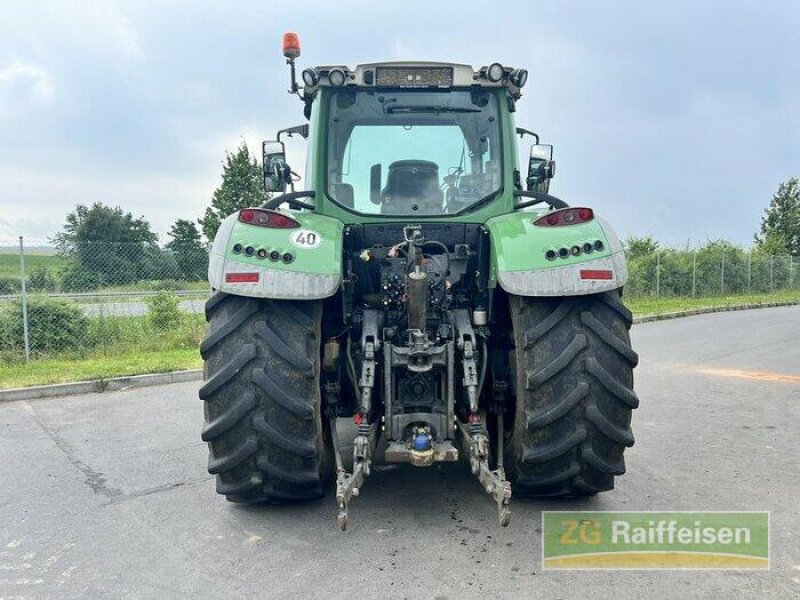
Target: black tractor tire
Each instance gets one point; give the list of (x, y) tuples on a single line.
[(262, 399), (574, 394)]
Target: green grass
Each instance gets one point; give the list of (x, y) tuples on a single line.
[(9, 263), (656, 306), (42, 372), (110, 347)]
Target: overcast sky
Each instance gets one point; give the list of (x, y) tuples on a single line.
[(677, 119)]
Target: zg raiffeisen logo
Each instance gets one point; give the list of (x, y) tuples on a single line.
[(655, 540)]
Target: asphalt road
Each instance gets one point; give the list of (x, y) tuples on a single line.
[(106, 495), (135, 309)]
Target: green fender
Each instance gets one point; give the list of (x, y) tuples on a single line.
[(520, 265), (301, 263)]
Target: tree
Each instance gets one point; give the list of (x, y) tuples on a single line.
[(780, 224), (108, 246), (188, 248), (242, 186), (636, 247)]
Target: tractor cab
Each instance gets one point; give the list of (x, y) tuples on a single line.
[(409, 139)]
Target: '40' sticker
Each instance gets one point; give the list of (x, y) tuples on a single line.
[(306, 239)]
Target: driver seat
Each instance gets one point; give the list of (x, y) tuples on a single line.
[(412, 183)]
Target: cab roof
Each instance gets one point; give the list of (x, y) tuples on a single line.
[(415, 75)]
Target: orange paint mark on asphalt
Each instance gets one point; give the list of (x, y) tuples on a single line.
[(753, 375)]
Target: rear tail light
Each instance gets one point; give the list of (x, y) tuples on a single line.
[(267, 218), (566, 216)]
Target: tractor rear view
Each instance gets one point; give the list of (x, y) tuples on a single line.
[(417, 288)]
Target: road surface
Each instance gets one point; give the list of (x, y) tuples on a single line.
[(106, 495), (135, 309)]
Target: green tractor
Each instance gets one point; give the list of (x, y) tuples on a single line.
[(417, 291)]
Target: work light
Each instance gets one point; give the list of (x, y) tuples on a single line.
[(336, 77), (494, 72)]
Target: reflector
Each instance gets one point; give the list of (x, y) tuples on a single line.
[(241, 277), (596, 274)]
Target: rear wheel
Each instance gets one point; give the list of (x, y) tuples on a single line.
[(574, 394), (262, 399)]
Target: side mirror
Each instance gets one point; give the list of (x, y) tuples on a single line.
[(541, 168), (375, 184), (276, 171)]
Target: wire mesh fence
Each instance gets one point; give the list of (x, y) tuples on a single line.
[(114, 299), (709, 272), (100, 299)]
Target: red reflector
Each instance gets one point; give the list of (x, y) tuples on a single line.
[(241, 277), (596, 274)]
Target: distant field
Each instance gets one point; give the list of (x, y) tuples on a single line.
[(9, 263)]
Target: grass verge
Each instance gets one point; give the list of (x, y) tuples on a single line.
[(46, 371), (642, 307)]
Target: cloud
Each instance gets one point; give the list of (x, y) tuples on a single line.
[(662, 114), (22, 81)]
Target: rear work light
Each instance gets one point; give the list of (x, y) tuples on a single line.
[(267, 218), (565, 216)]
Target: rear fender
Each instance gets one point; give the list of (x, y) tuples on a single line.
[(520, 266), (308, 267)]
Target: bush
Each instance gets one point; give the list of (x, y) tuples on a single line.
[(9, 285), (159, 264), (41, 280), (53, 326), (77, 279), (163, 284), (164, 312)]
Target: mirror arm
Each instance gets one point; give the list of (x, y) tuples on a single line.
[(522, 132), (538, 198), (291, 198), (302, 130)]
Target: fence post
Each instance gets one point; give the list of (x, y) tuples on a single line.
[(771, 273), (658, 274), (25, 333), (722, 275), (694, 274), (791, 274), (749, 269)]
